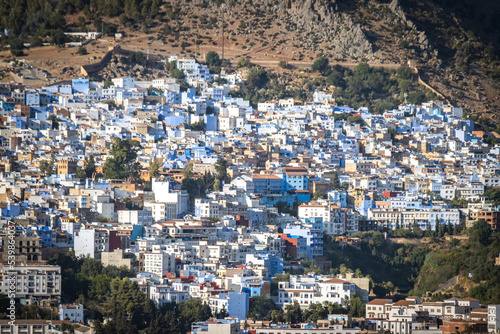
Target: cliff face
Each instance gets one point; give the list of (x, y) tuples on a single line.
[(453, 43), (323, 20)]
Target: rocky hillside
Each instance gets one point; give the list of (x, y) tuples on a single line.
[(454, 53), (454, 44)]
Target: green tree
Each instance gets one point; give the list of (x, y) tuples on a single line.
[(315, 312), (165, 324), (122, 163), (260, 307), (480, 232), (127, 302), (187, 172), (99, 287), (243, 62), (318, 194), (356, 307), (45, 168), (54, 120), (89, 166), (212, 59), (82, 50), (321, 65), (197, 126), (404, 73), (281, 278), (336, 181), (108, 83), (191, 311), (222, 314), (282, 64), (276, 316), (257, 78), (356, 120), (336, 78), (221, 169), (293, 313), (154, 167), (16, 46), (137, 57), (58, 37), (217, 185)]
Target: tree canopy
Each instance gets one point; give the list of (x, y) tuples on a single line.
[(122, 163)]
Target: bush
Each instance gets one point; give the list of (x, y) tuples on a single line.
[(137, 57), (243, 62), (58, 37), (212, 59), (257, 77), (404, 73), (321, 65), (282, 64), (335, 78), (82, 50)]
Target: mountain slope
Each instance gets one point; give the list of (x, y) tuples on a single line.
[(453, 43)]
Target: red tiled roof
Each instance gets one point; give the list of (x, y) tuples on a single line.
[(380, 302), (335, 280)]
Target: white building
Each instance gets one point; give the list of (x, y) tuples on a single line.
[(33, 282), (314, 289), (135, 217), (235, 303), (159, 263), (163, 294), (124, 82), (493, 318), (92, 242), (73, 312)]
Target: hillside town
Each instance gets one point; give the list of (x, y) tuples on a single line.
[(203, 196)]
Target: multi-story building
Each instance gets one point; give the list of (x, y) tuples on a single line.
[(235, 303), (314, 289), (491, 217), (33, 282), (313, 237), (163, 294), (92, 242), (159, 263), (66, 166), (493, 318)]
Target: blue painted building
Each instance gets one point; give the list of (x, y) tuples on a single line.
[(270, 261), (7, 105), (313, 237), (294, 178), (11, 210), (80, 85), (339, 197)]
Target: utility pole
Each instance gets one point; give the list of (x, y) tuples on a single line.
[(222, 7)]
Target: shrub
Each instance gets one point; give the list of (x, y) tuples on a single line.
[(82, 50), (282, 64)]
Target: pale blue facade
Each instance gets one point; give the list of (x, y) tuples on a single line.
[(313, 237)]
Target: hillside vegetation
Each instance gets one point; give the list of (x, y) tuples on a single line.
[(454, 44), (473, 261), (420, 266)]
